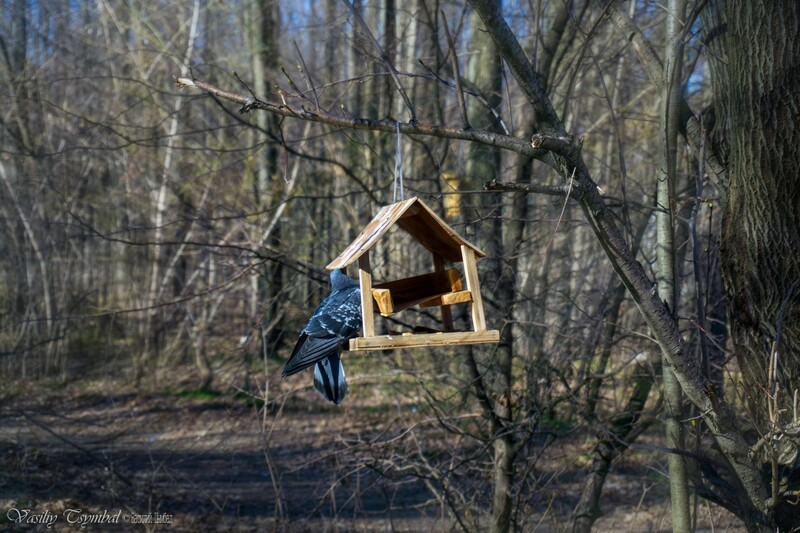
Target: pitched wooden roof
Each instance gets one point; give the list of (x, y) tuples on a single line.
[(419, 221)]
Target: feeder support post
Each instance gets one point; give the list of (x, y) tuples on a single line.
[(365, 281), (447, 315), (474, 287)]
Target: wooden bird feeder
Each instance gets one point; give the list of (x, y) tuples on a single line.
[(441, 288)]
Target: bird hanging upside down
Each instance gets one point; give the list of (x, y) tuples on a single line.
[(336, 320)]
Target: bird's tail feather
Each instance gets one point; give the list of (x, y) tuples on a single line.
[(329, 379)]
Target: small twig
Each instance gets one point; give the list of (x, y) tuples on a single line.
[(293, 85), (384, 59), (470, 91), (456, 74), (560, 218), (782, 312), (307, 75), (689, 22), (272, 468), (240, 80)]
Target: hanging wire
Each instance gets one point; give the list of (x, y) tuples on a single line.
[(398, 169)]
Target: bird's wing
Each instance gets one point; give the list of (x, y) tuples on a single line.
[(339, 314), (310, 350), (337, 319)]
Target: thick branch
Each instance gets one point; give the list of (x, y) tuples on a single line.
[(564, 146), (645, 51), (697, 387), (527, 188), (249, 103)]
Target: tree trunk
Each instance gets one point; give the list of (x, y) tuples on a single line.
[(758, 93), (267, 285), (756, 83), (484, 70), (665, 256)]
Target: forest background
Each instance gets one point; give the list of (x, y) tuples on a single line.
[(628, 167)]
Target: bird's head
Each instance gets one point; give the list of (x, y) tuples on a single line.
[(339, 280)]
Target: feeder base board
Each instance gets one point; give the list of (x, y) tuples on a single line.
[(451, 338)]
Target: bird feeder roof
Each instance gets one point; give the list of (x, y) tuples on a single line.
[(419, 221)]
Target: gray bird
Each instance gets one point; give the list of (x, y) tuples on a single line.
[(337, 319)]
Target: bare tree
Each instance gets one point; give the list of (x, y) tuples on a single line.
[(552, 144)]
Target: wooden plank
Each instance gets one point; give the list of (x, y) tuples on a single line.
[(385, 305), (451, 298), (474, 286), (365, 282), (408, 292), (438, 281), (447, 314), (455, 338), (383, 297), (371, 233)]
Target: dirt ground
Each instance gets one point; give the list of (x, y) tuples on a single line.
[(204, 462)]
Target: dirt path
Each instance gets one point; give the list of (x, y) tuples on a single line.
[(210, 463)]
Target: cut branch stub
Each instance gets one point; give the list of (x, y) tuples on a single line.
[(560, 145)]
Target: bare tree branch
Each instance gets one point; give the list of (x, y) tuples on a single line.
[(526, 188), (462, 104), (386, 60), (307, 75), (248, 103)]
